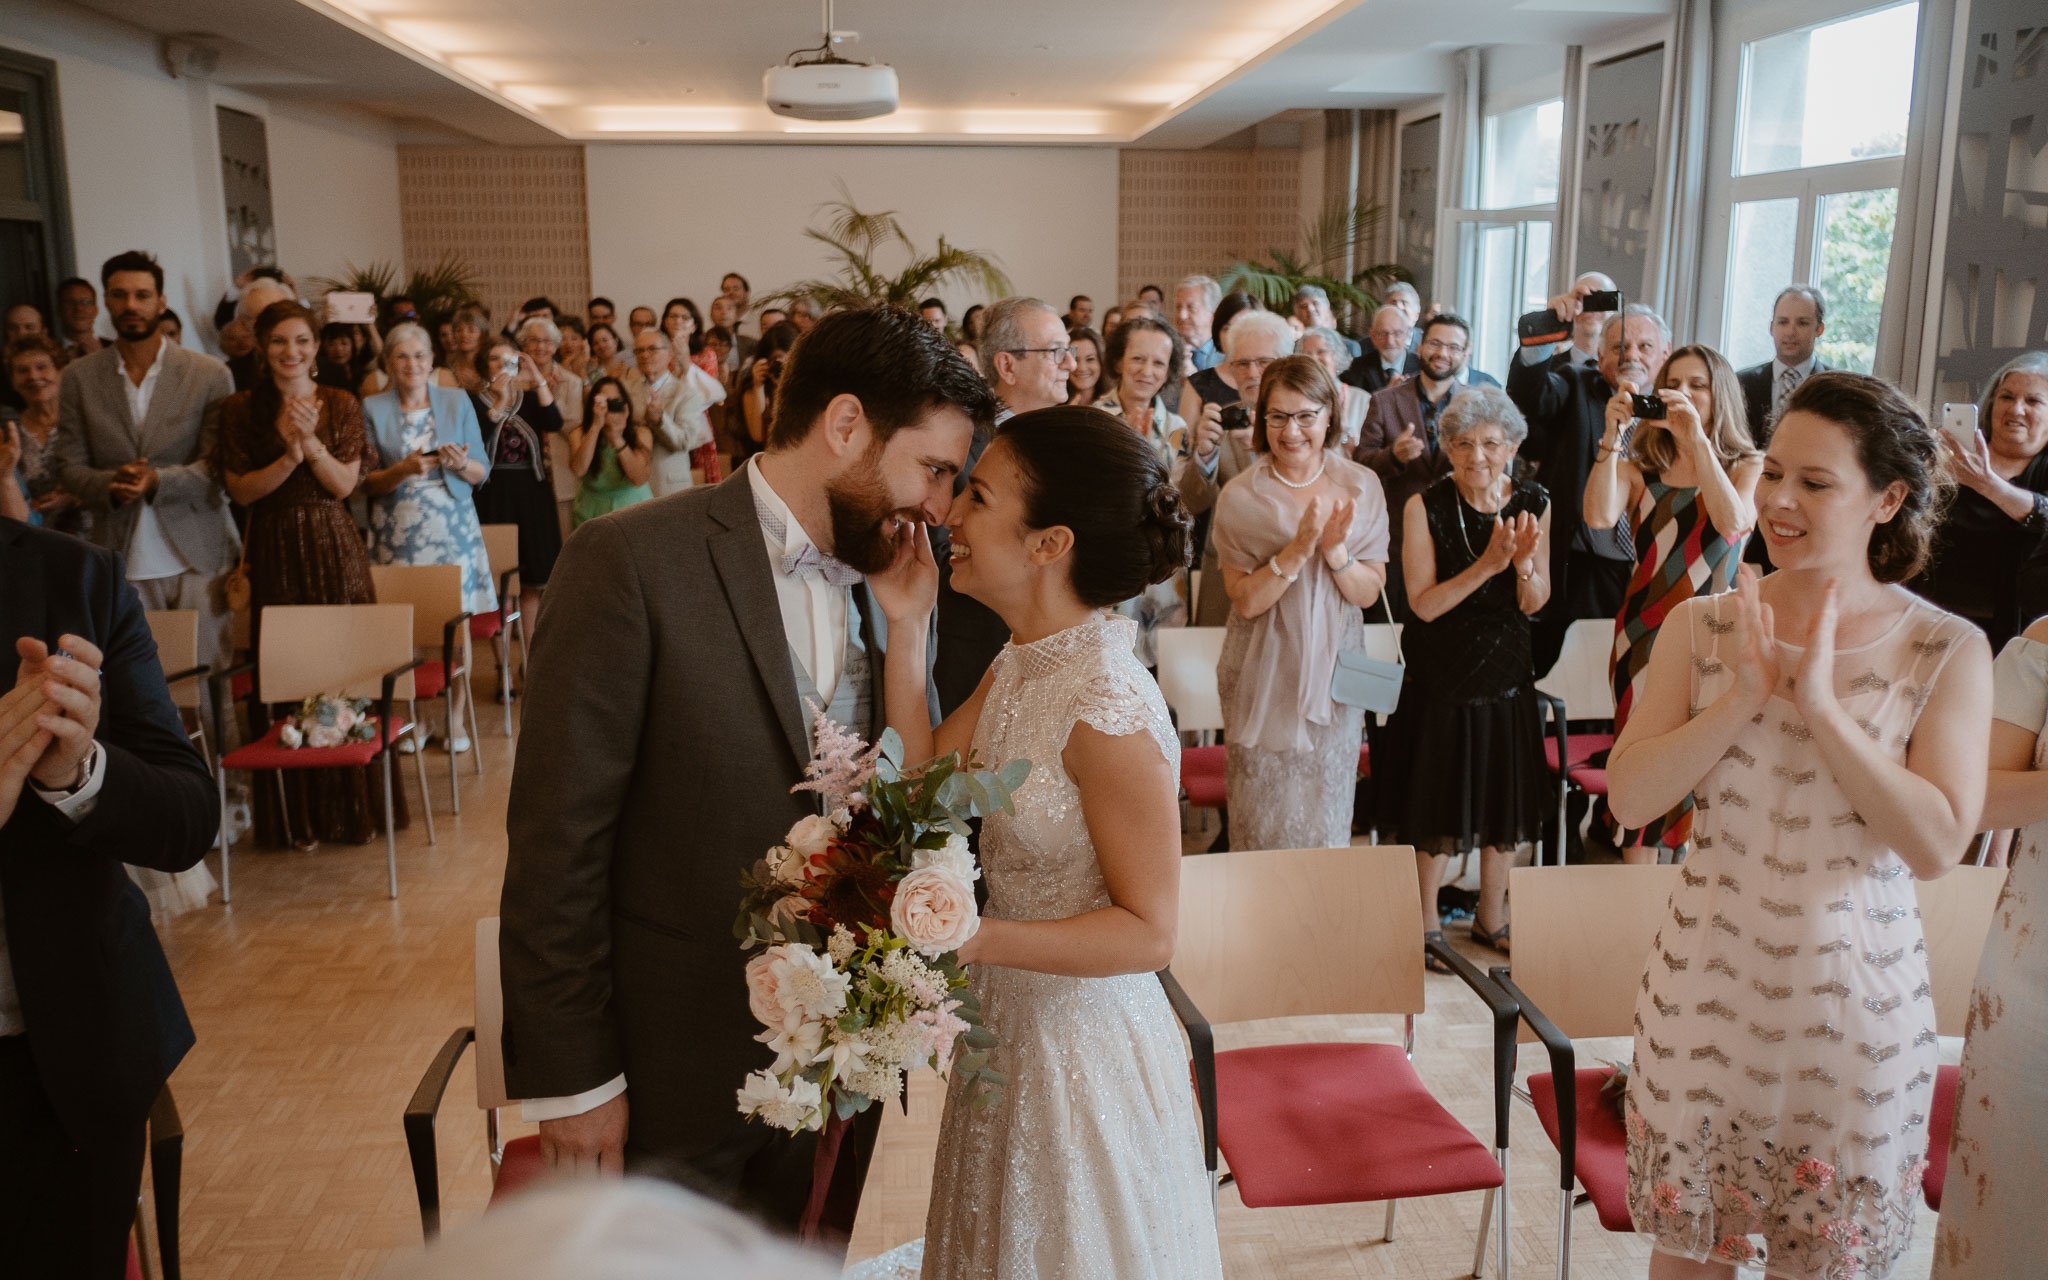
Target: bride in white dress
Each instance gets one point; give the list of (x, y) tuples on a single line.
[(1090, 1164)]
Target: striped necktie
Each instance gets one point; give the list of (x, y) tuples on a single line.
[(1788, 382)]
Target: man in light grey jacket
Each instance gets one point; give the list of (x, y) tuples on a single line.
[(135, 430)]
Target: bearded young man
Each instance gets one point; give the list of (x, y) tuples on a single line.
[(656, 768)]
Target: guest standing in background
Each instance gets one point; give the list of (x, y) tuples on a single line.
[(1144, 355), (971, 322), (1984, 565), (466, 348), (1689, 484), (1212, 456), (684, 325), (672, 408), (540, 342), (607, 355), (1465, 765), (573, 351), (1789, 1101), (291, 451), (757, 401), (1991, 1223), (1090, 379), (1389, 360), (32, 370), (612, 454), (1326, 345), (1799, 318), (517, 412), (78, 311), (1195, 300), (1301, 536)]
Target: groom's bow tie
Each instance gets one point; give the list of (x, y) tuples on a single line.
[(808, 561)]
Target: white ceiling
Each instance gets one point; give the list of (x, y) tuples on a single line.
[(1168, 73)]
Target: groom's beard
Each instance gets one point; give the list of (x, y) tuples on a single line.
[(865, 521)]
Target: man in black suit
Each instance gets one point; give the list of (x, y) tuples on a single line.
[(1798, 319), (1387, 358), (95, 771), (655, 768), (1566, 405)]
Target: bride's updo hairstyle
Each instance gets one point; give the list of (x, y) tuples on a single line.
[(1893, 442), (1089, 471)]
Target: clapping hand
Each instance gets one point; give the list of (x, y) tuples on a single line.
[(132, 480), (10, 447), (1756, 641), (69, 683), (1512, 539), (908, 589), (1336, 528), (1528, 534), (22, 741), (1815, 692), (1306, 534)]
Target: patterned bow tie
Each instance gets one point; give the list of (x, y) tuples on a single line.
[(808, 561)]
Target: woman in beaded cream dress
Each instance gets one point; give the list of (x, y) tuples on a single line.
[(1090, 1165), (1784, 1046)]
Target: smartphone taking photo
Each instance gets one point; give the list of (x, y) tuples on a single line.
[(1959, 422)]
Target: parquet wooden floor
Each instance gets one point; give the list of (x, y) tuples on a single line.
[(318, 1003)]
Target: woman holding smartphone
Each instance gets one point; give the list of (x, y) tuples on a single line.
[(613, 454)]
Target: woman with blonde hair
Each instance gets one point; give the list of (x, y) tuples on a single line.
[(1686, 483)]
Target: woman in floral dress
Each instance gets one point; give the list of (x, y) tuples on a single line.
[(1785, 1047)]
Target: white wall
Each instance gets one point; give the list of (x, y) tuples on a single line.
[(668, 219), (143, 160)]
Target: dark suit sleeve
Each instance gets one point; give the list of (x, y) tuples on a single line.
[(1376, 436), (157, 805), (578, 743), (1542, 392)]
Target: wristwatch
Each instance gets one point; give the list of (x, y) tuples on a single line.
[(1349, 560)]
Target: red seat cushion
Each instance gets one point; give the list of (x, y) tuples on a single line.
[(1201, 776), (269, 753), (429, 678), (1588, 779), (521, 1165), (134, 1262), (485, 625), (1600, 1154), (1941, 1125), (1208, 761), (1364, 760), (1339, 1124), (1578, 747), (1206, 792), (239, 686)]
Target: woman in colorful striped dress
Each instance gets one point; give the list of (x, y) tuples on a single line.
[(1688, 482)]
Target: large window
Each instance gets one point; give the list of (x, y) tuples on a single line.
[(1519, 149), (1504, 244), (1820, 129)]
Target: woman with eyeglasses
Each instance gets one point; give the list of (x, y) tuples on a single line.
[(613, 454), (1687, 481), (1301, 538)]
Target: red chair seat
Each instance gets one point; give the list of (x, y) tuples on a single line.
[(134, 1262), (429, 678), (522, 1164), (1339, 1124), (1364, 760), (485, 626), (1201, 776), (269, 753), (1588, 779), (1579, 747), (1941, 1125), (240, 686), (1600, 1154)]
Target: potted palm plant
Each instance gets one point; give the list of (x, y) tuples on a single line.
[(857, 238), (1328, 243)]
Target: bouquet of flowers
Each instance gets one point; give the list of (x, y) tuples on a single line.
[(861, 912), (326, 720)]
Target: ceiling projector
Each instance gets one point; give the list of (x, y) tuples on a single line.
[(818, 84)]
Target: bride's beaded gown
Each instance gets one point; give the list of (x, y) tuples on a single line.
[(1091, 1164)]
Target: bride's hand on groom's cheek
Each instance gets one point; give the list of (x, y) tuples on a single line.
[(909, 588)]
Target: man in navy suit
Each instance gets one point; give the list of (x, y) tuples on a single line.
[(1387, 359), (95, 771), (1798, 319)]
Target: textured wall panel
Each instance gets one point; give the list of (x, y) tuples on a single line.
[(1189, 211), (517, 214)]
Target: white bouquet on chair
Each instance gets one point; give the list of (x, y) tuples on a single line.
[(326, 720)]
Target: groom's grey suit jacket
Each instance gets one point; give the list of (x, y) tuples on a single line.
[(661, 736)]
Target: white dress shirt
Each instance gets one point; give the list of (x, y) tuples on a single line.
[(150, 553), (815, 619)]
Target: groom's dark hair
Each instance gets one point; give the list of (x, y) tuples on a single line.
[(891, 360)]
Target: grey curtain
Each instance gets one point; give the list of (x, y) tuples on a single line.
[(1671, 279)]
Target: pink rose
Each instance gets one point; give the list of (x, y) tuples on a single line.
[(1813, 1175), (788, 908), (933, 911), (763, 992)]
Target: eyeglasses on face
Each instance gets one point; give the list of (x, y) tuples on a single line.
[(1306, 419), (1060, 355), (1448, 348), (1492, 448)]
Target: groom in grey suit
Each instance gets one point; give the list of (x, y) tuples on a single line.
[(664, 727), (135, 429)]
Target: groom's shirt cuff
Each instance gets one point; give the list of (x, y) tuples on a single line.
[(535, 1110)]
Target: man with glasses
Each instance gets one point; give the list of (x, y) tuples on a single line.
[(1211, 453), (1026, 358), (1389, 360), (1399, 439)]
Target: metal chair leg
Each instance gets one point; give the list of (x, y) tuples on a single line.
[(220, 778), (1502, 1233), (1485, 1225), (476, 737), (1392, 1205), (390, 823), (419, 760), (502, 643), (1564, 1233), (284, 806), (454, 728)]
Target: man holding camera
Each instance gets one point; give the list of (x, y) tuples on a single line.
[(1565, 403), (1217, 404)]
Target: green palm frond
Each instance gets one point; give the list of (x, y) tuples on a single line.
[(855, 238), (1328, 240), (378, 278)]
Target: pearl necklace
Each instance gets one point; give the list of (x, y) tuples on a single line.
[(1320, 468)]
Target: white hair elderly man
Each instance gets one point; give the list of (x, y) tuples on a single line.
[(1212, 453), (1312, 310), (1389, 358), (240, 332), (1195, 300)]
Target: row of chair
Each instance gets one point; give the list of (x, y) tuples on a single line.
[(1329, 932)]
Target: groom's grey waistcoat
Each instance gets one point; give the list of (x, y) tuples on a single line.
[(661, 735)]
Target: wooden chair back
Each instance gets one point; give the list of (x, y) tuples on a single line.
[(1955, 918), (342, 649), (1582, 936), (177, 649), (1187, 675), (1580, 677), (433, 590), (1296, 932), (501, 548), (490, 1019)]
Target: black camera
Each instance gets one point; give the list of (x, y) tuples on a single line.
[(1236, 417), (1601, 300), (612, 404), (1643, 406)]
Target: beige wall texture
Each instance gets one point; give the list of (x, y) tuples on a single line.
[(1193, 211), (515, 214)]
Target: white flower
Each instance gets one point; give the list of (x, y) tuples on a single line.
[(325, 735), (796, 1044), (954, 857), (842, 944), (934, 911), (289, 736), (793, 1107), (786, 865), (811, 836), (806, 983)]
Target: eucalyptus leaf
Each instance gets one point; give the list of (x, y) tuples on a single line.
[(892, 748)]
